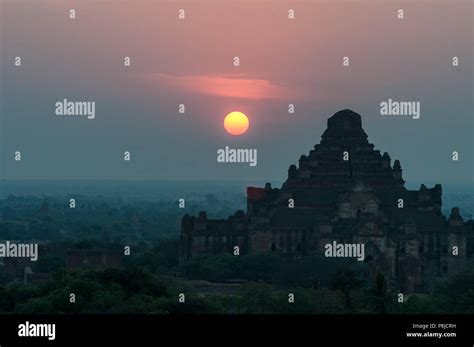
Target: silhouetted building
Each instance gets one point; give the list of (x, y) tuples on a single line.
[(348, 192), (31, 277), (14, 266)]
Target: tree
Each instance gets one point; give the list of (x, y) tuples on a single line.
[(346, 281), (381, 297)]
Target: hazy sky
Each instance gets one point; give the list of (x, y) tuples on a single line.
[(190, 62)]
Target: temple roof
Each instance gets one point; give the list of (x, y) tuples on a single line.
[(337, 120), (344, 126), (343, 157)]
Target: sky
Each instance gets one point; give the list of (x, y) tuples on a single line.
[(191, 61)]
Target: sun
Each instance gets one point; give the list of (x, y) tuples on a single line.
[(236, 123)]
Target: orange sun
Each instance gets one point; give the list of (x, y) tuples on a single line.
[(236, 123)]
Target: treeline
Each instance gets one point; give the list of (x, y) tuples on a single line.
[(152, 280), (138, 291), (55, 218)]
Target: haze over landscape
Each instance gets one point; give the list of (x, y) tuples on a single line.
[(190, 62)]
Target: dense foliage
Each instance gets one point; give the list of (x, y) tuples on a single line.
[(151, 282)]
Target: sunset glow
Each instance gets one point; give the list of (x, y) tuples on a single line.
[(230, 85)]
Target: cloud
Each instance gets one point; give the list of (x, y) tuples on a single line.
[(232, 86)]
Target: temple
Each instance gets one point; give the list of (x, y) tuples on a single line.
[(346, 191)]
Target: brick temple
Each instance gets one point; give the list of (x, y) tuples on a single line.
[(344, 190)]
